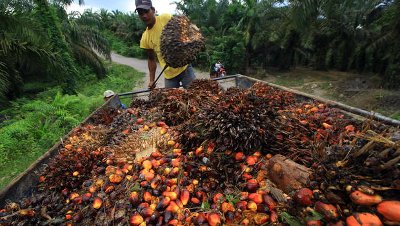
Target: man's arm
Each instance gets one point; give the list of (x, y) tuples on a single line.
[(151, 62)]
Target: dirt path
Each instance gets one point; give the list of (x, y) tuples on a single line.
[(141, 66)]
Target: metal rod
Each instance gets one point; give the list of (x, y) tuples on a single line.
[(143, 90)]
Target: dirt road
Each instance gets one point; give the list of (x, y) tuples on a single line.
[(141, 66)]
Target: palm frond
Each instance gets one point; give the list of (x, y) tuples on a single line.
[(86, 55)]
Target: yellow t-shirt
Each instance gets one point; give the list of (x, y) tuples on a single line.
[(151, 40)]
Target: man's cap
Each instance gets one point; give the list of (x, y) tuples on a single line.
[(108, 93), (143, 4)]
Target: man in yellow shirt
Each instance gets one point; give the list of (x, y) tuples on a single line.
[(151, 42)]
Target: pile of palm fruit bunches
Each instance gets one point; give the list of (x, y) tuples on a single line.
[(208, 156)]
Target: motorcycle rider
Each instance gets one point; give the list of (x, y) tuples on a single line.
[(217, 66)]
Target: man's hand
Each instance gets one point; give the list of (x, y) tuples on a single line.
[(152, 85)]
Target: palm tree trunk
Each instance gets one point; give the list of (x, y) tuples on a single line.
[(49, 20)]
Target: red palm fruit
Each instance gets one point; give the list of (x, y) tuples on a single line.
[(190, 188), (390, 210), (251, 160), (68, 217), (239, 156), (363, 199), (155, 182), (175, 162), (146, 212), (198, 151), (201, 219), (256, 197), (359, 219), (139, 121), (78, 200), (252, 185), (147, 164), (149, 176), (172, 207), (203, 168), (27, 212), (163, 131), (153, 205), (42, 179), (260, 218), (171, 194), (274, 216), (179, 203), (172, 181), (210, 148), (163, 203), (155, 163), (156, 154), (269, 201), (201, 195), (147, 196), (247, 176), (86, 197), (314, 223), (304, 197), (161, 124), (142, 206), (242, 205), (245, 222), (244, 195), (173, 222), (180, 216), (226, 206), (64, 192), (73, 195), (109, 189), (97, 203), (218, 198), (144, 184), (171, 143), (214, 219), (116, 178), (195, 200), (68, 147), (136, 219), (134, 198), (177, 151), (184, 197), (251, 205), (328, 210)]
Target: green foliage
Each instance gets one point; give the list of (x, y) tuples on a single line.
[(290, 220), (123, 48), (33, 126), (205, 206)]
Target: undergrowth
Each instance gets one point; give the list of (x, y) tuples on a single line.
[(123, 48), (34, 125)]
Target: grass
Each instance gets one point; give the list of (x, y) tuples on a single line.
[(34, 125), (342, 87)]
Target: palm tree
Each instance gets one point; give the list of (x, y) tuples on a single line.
[(86, 42), (23, 48), (50, 22)]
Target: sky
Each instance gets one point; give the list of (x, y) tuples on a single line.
[(161, 6)]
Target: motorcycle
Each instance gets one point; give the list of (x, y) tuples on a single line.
[(220, 73)]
